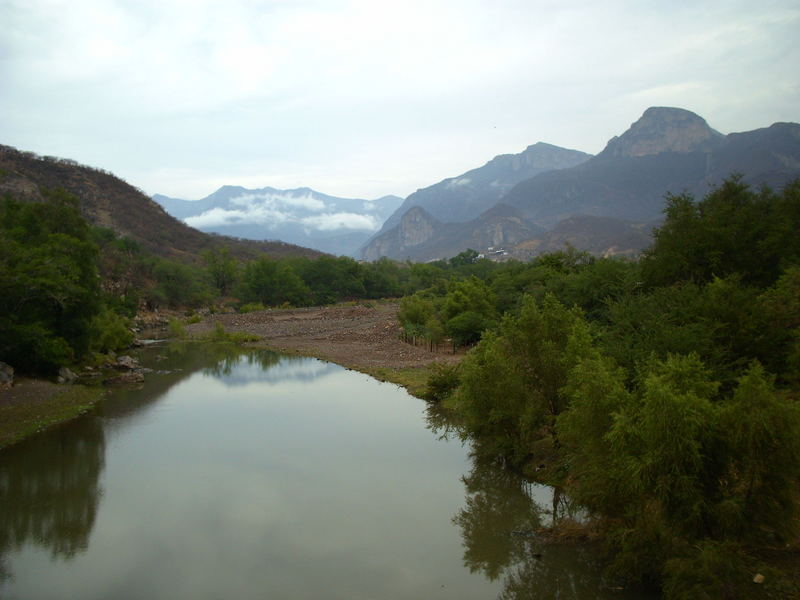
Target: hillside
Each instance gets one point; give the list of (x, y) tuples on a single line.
[(108, 201)]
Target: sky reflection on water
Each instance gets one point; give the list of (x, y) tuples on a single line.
[(251, 475)]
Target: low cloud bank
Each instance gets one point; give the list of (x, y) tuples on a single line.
[(273, 210)]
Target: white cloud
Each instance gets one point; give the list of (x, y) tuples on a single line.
[(341, 220), (268, 214), (305, 201), (456, 183), (258, 215)]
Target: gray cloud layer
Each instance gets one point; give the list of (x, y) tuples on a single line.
[(274, 209), (365, 98)]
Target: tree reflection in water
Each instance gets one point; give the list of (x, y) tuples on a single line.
[(501, 530), (498, 519), (49, 490)]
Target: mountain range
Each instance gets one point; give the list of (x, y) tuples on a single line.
[(108, 201), (607, 204), (299, 216), (516, 205)]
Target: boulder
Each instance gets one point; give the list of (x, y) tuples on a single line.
[(6, 375), (66, 375), (126, 362)]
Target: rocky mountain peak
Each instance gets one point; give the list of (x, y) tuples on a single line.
[(664, 129), (417, 226)]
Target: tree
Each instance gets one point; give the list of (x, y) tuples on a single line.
[(49, 288), (272, 283), (511, 382), (222, 269), (467, 310), (732, 230)]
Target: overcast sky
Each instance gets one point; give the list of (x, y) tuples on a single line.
[(362, 99)]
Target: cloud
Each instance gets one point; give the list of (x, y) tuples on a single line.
[(306, 201), (177, 96), (456, 183), (273, 210), (341, 220), (221, 216)]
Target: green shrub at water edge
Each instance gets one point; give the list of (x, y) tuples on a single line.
[(220, 335), (177, 329)]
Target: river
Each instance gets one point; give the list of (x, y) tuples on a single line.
[(249, 474)]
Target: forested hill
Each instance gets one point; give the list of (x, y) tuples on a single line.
[(108, 201)]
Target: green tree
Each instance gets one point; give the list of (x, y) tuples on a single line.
[(222, 269), (272, 283), (511, 382), (49, 287), (467, 310), (732, 230)]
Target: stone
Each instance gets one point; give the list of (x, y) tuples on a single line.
[(130, 377), (759, 578), (126, 362), (6, 375), (66, 375)]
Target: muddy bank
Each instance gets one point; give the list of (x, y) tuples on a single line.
[(33, 405), (361, 337)]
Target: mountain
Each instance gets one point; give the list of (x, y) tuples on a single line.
[(422, 237), (299, 216), (668, 150), (607, 203), (602, 236), (466, 196), (108, 201)]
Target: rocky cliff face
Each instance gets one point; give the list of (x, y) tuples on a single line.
[(662, 129), (416, 227), (421, 237)]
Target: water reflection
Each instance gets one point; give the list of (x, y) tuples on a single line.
[(502, 528), (499, 516), (50, 492), (251, 474)]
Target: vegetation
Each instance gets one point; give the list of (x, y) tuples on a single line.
[(660, 395), (49, 292)]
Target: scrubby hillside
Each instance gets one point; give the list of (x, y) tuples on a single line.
[(108, 201)]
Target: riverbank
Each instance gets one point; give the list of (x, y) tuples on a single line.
[(33, 405), (362, 337)]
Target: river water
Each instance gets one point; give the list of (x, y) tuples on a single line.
[(248, 474)]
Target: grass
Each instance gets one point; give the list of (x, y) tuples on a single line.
[(414, 379), (49, 405), (237, 337)]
